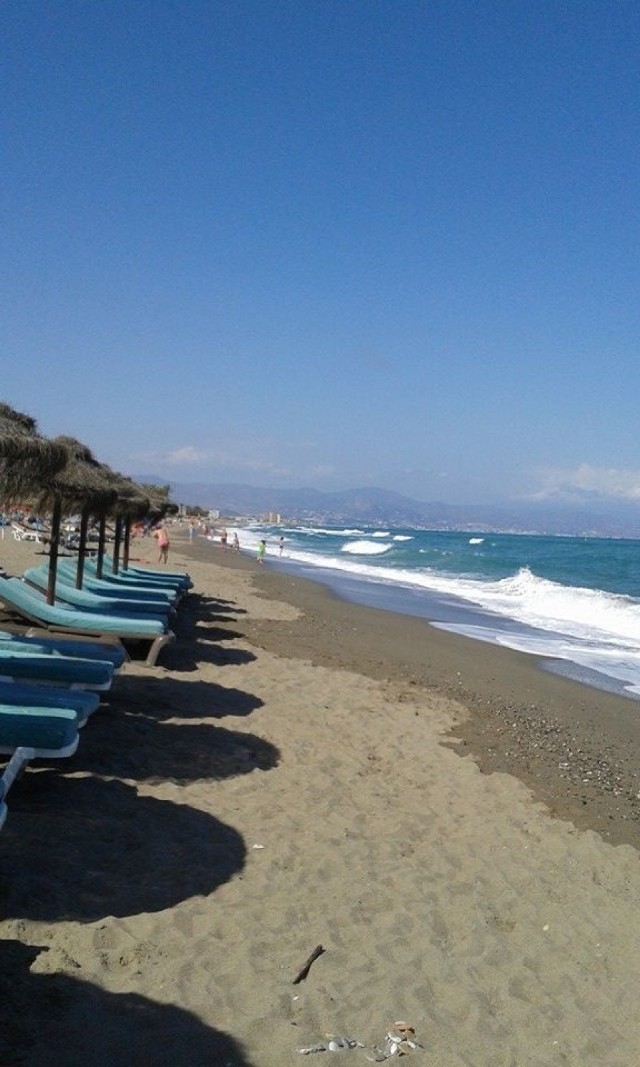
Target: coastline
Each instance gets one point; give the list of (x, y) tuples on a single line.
[(577, 748), (298, 771)]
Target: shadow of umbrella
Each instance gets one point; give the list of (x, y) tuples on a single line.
[(82, 848), (53, 1020), (173, 698), (169, 752)]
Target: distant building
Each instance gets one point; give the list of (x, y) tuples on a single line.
[(273, 517), (214, 513)]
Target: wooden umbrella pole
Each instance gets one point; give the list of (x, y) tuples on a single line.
[(102, 536), (84, 527), (116, 544), (127, 542), (54, 547)]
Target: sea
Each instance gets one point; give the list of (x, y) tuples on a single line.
[(572, 601)]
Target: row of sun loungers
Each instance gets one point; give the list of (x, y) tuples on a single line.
[(134, 607), (51, 676)]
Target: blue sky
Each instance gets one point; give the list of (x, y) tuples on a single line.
[(331, 244)]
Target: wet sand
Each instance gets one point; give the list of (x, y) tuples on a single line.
[(299, 771)]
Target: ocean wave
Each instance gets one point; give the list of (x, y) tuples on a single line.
[(365, 548), (333, 533), (538, 602), (591, 627)]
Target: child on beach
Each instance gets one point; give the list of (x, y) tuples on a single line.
[(162, 538), (262, 548)]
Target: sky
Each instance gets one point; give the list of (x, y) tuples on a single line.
[(328, 243)]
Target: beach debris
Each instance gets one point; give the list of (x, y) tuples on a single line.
[(306, 967), (398, 1041), (334, 1044)]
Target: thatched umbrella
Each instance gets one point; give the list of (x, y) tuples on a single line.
[(84, 483), (81, 485), (27, 460), (130, 503), (133, 505)]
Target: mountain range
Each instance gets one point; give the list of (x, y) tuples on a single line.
[(374, 506)]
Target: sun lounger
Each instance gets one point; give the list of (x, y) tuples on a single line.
[(24, 533), (34, 731), (25, 602), (18, 694), (44, 645), (69, 671), (175, 589), (38, 577), (45, 731), (122, 590), (149, 574)]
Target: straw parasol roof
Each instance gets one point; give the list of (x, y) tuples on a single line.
[(27, 459), (82, 483), (131, 501)]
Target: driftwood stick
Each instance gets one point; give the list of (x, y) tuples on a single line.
[(304, 970)]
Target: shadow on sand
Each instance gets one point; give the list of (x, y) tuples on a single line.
[(201, 629), (53, 1020), (79, 848), (162, 697), (129, 736)]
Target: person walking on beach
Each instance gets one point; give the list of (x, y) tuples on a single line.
[(162, 538), (281, 545), (262, 548), (235, 544)]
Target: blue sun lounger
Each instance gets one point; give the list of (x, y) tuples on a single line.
[(68, 671), (33, 731), (81, 701), (146, 575), (25, 602), (45, 645), (105, 587), (43, 730), (81, 598)]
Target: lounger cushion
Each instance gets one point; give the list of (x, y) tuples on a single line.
[(37, 727), (67, 670), (17, 594), (107, 652), (122, 590), (78, 700), (80, 598)]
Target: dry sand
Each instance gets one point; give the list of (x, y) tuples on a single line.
[(296, 772)]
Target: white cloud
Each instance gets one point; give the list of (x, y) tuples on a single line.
[(586, 483), (186, 456)]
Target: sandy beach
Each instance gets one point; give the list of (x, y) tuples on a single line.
[(457, 828)]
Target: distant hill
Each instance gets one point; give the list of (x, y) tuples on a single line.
[(373, 506)]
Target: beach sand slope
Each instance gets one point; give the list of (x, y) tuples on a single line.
[(232, 809)]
